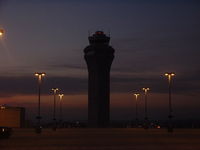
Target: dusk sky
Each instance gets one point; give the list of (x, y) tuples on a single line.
[(150, 37)]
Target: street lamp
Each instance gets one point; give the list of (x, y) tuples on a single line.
[(54, 110), (146, 116), (60, 97), (39, 75), (1, 32), (169, 75), (136, 107)]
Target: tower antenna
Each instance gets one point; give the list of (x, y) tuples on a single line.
[(88, 33), (108, 32)]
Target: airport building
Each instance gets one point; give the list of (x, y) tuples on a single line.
[(12, 116), (99, 56)]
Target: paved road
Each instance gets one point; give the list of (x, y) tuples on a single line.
[(103, 139)]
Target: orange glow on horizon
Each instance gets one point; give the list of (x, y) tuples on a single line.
[(120, 103)]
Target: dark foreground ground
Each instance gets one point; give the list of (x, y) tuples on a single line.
[(103, 139)]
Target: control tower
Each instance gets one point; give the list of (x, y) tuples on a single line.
[(99, 56)]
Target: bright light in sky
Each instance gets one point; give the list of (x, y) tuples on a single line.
[(1, 32)]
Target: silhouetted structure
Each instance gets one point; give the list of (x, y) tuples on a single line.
[(99, 56), (12, 116)]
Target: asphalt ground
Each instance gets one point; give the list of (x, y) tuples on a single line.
[(102, 139)]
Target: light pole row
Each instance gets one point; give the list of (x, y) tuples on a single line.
[(169, 75), (40, 75), (55, 91), (136, 107), (60, 97), (146, 116)]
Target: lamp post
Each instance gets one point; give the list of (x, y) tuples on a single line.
[(54, 108), (169, 75), (60, 97), (39, 75), (136, 107), (145, 108)]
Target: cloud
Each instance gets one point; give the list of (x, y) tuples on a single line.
[(183, 83), (153, 41), (11, 86), (153, 51)]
